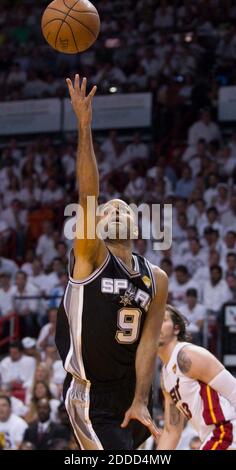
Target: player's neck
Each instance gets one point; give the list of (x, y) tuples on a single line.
[(122, 250), (165, 352)]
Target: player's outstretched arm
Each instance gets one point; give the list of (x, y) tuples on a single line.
[(146, 355), (200, 364), (173, 425), (89, 251)]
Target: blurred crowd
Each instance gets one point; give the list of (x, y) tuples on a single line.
[(180, 51)]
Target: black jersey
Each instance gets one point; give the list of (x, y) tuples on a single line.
[(101, 318)]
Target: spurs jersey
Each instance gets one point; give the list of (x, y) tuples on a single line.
[(101, 318), (212, 416)]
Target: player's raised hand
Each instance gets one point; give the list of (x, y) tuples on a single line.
[(81, 103), (140, 412)]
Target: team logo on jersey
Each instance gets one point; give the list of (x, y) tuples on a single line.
[(174, 368), (147, 281), (128, 296)]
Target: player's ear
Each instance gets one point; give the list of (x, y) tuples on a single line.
[(176, 330)]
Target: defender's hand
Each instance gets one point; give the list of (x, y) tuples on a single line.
[(140, 412), (81, 103)]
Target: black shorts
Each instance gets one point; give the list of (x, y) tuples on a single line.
[(96, 414)]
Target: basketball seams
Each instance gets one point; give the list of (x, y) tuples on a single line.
[(72, 32), (84, 26), (77, 11), (63, 21)]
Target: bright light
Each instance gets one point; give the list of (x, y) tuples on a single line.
[(113, 89)]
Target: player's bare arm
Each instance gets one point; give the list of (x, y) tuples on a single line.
[(200, 364), (146, 355), (89, 253), (173, 427)]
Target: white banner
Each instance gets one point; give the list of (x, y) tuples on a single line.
[(227, 103), (117, 111), (30, 116)]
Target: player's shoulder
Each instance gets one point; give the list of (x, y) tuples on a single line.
[(158, 274), (189, 353)]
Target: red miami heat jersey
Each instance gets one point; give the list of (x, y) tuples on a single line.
[(210, 414)]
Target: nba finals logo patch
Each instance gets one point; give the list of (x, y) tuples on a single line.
[(147, 281), (174, 368)]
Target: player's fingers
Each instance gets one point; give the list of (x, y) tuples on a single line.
[(153, 430), (92, 92), (125, 421), (70, 86), (83, 87), (76, 83)]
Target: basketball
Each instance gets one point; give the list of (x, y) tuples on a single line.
[(70, 26)]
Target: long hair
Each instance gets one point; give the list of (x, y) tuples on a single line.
[(180, 322)]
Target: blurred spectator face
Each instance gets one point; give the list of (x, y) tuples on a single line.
[(191, 299), (61, 248), (5, 409), (212, 215), (214, 258), (194, 246), (180, 205), (167, 266), (231, 262), (37, 267), (21, 279), (182, 220), (191, 233), (233, 203), (57, 266), (206, 117), (231, 281), (212, 180), (15, 353), (181, 275), (5, 281), (216, 275), (52, 316), (41, 391), (63, 280), (230, 239), (200, 205), (195, 443), (43, 410), (223, 192), (16, 206), (41, 373)]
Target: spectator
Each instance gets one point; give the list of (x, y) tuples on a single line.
[(44, 430), (215, 291), (11, 426), (6, 295), (17, 368), (195, 314)]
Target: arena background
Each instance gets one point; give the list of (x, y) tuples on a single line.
[(164, 132)]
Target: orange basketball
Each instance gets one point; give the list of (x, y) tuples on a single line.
[(70, 26)]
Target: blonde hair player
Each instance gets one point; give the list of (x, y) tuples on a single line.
[(111, 315), (196, 386)]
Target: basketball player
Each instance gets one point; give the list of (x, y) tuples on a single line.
[(196, 387), (110, 318)]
